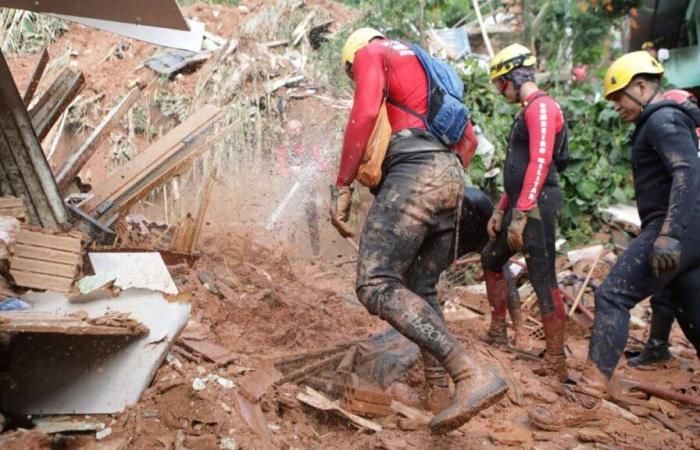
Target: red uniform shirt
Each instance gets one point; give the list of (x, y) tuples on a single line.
[(394, 65), (544, 120)]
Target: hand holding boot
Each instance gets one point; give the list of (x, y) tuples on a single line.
[(341, 201)]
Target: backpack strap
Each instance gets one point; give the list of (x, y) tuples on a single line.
[(404, 108)]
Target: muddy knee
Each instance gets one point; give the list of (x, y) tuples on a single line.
[(370, 297)]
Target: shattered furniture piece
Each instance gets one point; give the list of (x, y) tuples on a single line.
[(45, 261)]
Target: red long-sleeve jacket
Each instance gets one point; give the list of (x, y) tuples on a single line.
[(394, 65)]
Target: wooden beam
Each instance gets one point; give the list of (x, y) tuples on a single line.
[(55, 100), (77, 160), (30, 322), (25, 170), (36, 77), (148, 169)]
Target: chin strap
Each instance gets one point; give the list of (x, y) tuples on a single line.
[(636, 100)]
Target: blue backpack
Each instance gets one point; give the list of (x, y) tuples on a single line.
[(447, 116)]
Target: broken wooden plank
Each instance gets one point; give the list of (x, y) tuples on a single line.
[(31, 322), (212, 352), (202, 210), (64, 243), (253, 385), (162, 153), (13, 207), (55, 100), (410, 413), (319, 401), (272, 85), (77, 160), (36, 77), (45, 261)]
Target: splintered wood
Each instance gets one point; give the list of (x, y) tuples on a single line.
[(45, 261), (32, 322)]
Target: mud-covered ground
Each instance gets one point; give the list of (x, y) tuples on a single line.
[(278, 300)]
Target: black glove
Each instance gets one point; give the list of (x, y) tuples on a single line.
[(666, 255)]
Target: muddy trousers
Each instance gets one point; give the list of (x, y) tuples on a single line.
[(539, 251), (406, 242), (663, 313), (631, 280)]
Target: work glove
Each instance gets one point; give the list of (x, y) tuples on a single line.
[(516, 229), (665, 255), (493, 227), (341, 201)]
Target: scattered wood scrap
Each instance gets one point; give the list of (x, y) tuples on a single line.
[(55, 100), (36, 77), (45, 261), (41, 322), (214, 353), (13, 207), (319, 401), (82, 154), (367, 402)]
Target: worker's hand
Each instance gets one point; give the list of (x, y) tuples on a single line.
[(341, 201), (516, 229), (665, 255), (493, 227)]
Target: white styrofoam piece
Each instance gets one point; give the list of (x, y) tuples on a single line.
[(625, 214), (165, 37), (135, 270), (58, 374), (580, 254)]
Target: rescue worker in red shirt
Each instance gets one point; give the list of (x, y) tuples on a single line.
[(408, 235), (525, 217), (302, 163)]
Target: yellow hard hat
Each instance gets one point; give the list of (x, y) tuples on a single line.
[(626, 67), (511, 57), (358, 39)]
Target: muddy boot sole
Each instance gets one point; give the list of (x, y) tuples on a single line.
[(453, 418), (542, 418)]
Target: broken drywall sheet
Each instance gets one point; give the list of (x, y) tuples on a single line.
[(135, 270), (165, 37), (56, 374)]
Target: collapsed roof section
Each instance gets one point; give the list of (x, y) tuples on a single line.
[(155, 13)]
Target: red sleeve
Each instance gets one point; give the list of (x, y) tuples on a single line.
[(369, 86), (282, 160), (541, 118), (466, 147), (503, 202)]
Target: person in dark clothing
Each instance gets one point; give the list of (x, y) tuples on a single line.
[(525, 217), (477, 209), (408, 235), (663, 313), (666, 254)]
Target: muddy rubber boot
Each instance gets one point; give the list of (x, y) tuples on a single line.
[(580, 404), (554, 362), (497, 293), (476, 389), (437, 383), (516, 315), (655, 351), (656, 348)]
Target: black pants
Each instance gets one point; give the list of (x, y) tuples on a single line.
[(631, 280), (539, 247), (407, 241)]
